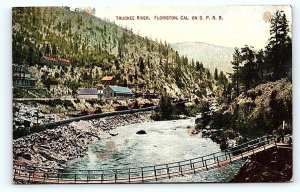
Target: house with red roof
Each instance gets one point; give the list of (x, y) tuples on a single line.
[(55, 61)]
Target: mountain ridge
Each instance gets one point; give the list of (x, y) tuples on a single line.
[(96, 48), (202, 42), (212, 56)]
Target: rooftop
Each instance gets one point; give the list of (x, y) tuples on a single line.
[(119, 89), (55, 59), (107, 78), (20, 68), (87, 91)]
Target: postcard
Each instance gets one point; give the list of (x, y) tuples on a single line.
[(152, 94)]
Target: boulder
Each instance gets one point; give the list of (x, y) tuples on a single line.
[(194, 131), (223, 145), (183, 117), (141, 132), (26, 156), (113, 133)]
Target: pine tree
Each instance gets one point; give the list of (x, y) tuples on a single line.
[(47, 50), (208, 75), (249, 71), (216, 74), (197, 66), (166, 68), (165, 107), (222, 79), (178, 76), (261, 67), (236, 70), (54, 50), (141, 65), (279, 49), (117, 64), (31, 57)]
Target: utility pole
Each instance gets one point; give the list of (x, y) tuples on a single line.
[(37, 116)]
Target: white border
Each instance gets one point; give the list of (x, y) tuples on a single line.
[(6, 109)]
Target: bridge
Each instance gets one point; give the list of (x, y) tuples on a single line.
[(195, 165)]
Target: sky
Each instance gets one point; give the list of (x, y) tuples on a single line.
[(241, 25)]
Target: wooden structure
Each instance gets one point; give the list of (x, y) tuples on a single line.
[(108, 80), (22, 77), (147, 173), (114, 91), (88, 93)]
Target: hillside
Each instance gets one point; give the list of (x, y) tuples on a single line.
[(264, 109), (212, 56), (271, 101), (260, 110), (96, 48)]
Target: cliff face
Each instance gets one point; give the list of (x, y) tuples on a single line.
[(96, 48), (268, 166)]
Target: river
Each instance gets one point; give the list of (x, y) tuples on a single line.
[(165, 142)]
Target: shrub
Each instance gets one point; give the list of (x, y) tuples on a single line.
[(165, 107), (199, 107), (155, 116), (28, 130)]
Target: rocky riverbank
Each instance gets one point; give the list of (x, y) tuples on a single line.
[(54, 147), (273, 165)]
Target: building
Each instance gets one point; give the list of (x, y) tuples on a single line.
[(88, 93), (108, 80), (151, 94), (148, 94), (117, 92), (66, 8), (55, 61), (22, 77), (85, 10)]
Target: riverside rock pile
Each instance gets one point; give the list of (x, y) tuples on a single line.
[(26, 116), (273, 165), (54, 147)]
